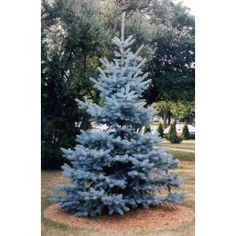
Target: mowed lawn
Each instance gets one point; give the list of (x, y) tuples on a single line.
[(186, 170), (185, 144)]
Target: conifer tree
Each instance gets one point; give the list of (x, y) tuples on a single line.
[(119, 169), (172, 134), (185, 133), (160, 130), (147, 129)]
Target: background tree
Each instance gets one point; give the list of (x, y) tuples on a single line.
[(72, 39), (183, 111), (172, 65), (164, 111), (160, 129), (172, 134), (185, 133)]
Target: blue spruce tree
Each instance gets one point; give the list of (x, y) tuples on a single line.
[(121, 168)]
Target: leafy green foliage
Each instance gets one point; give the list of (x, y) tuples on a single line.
[(72, 38), (182, 111), (172, 65), (164, 111)]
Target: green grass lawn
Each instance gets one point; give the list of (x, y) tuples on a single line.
[(186, 170), (183, 156), (185, 144)]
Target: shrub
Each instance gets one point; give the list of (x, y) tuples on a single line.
[(185, 133), (172, 135), (160, 130), (147, 129)]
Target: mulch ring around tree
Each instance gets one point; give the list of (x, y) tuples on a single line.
[(141, 219)]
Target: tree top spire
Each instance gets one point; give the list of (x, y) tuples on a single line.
[(123, 27)]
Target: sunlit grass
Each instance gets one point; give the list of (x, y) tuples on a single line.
[(185, 144), (183, 156)]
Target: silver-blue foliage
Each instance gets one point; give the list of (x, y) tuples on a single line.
[(121, 168)]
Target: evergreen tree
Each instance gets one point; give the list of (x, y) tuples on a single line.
[(172, 134), (185, 133), (118, 169), (147, 129), (160, 130)]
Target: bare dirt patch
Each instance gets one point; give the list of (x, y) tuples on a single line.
[(139, 220)]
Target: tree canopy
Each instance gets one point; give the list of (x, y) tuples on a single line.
[(72, 38), (181, 111)]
